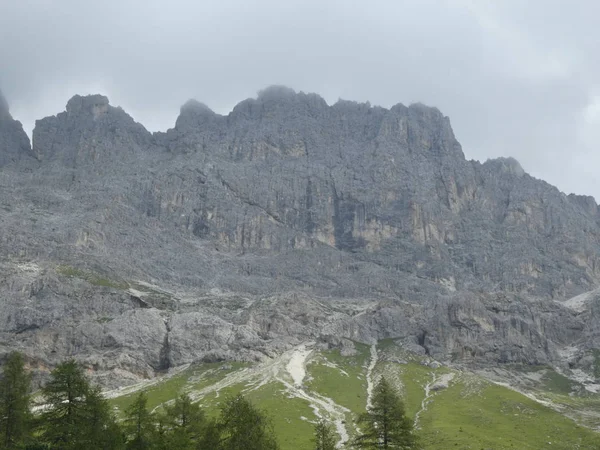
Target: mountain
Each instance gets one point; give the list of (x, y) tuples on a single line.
[(289, 220)]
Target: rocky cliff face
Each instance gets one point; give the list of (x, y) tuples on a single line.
[(14, 143), (287, 220)]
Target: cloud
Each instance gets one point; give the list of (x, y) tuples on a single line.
[(516, 78)]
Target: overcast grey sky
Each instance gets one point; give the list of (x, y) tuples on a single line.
[(517, 78)]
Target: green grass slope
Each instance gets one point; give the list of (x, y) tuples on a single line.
[(454, 409)]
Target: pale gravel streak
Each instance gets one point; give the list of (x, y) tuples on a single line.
[(370, 383), (291, 364), (425, 400), (529, 395), (321, 404), (435, 384), (296, 368), (334, 366)]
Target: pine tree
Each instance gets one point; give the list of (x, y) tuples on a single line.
[(244, 426), (64, 417), (211, 437), (139, 425), (385, 425), (324, 436), (76, 415), (14, 402), (100, 430), (182, 425)]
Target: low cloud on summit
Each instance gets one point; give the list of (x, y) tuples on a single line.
[(516, 78)]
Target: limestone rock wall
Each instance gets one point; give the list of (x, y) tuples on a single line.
[(286, 220)]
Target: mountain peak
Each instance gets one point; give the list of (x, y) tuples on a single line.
[(96, 105), (112, 135), (506, 165), (284, 94), (193, 114), (196, 107), (275, 92)]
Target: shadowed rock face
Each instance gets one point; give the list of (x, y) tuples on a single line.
[(286, 220), (4, 110), (14, 143), (90, 136)]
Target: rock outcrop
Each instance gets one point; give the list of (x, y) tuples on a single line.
[(14, 143), (287, 220)]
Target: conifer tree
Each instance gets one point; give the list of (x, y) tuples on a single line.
[(182, 425), (385, 425), (139, 425), (14, 403), (65, 414), (324, 436), (244, 426), (211, 437), (76, 415), (100, 430)]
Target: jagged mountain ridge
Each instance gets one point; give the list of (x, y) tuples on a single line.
[(287, 219)]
